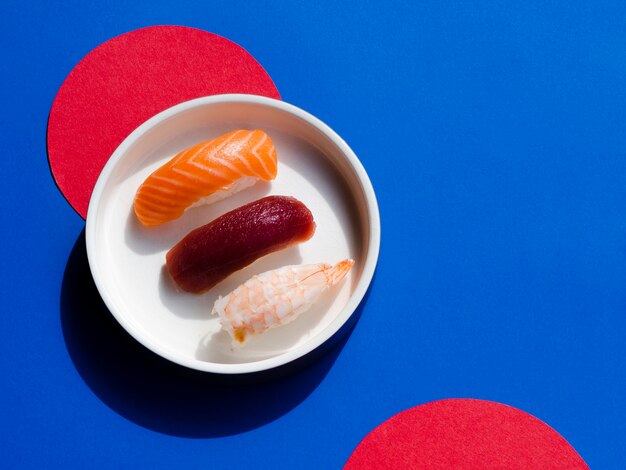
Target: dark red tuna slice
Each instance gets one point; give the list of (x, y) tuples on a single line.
[(210, 253)]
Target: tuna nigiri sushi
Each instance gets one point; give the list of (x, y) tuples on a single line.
[(275, 298), (205, 173), (236, 239)]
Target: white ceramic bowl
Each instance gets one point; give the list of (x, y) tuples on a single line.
[(127, 260)]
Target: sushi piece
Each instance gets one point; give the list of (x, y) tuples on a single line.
[(275, 298), (205, 173), (231, 242)]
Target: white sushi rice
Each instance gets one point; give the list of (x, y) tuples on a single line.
[(239, 185)]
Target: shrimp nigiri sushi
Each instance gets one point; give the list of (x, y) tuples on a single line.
[(275, 298), (205, 173)]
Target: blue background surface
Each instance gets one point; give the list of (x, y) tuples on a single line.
[(494, 135)]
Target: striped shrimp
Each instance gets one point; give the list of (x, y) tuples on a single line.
[(275, 298)]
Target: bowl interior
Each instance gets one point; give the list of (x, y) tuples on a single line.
[(128, 260)]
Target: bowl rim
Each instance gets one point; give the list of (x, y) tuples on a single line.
[(369, 266)]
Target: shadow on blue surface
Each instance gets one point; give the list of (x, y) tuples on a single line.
[(165, 397)]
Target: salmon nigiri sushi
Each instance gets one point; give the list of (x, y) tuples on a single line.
[(205, 173)]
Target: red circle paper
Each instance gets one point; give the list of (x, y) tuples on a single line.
[(464, 434), (130, 78)]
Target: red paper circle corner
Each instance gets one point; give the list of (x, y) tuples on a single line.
[(464, 434), (130, 78)]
